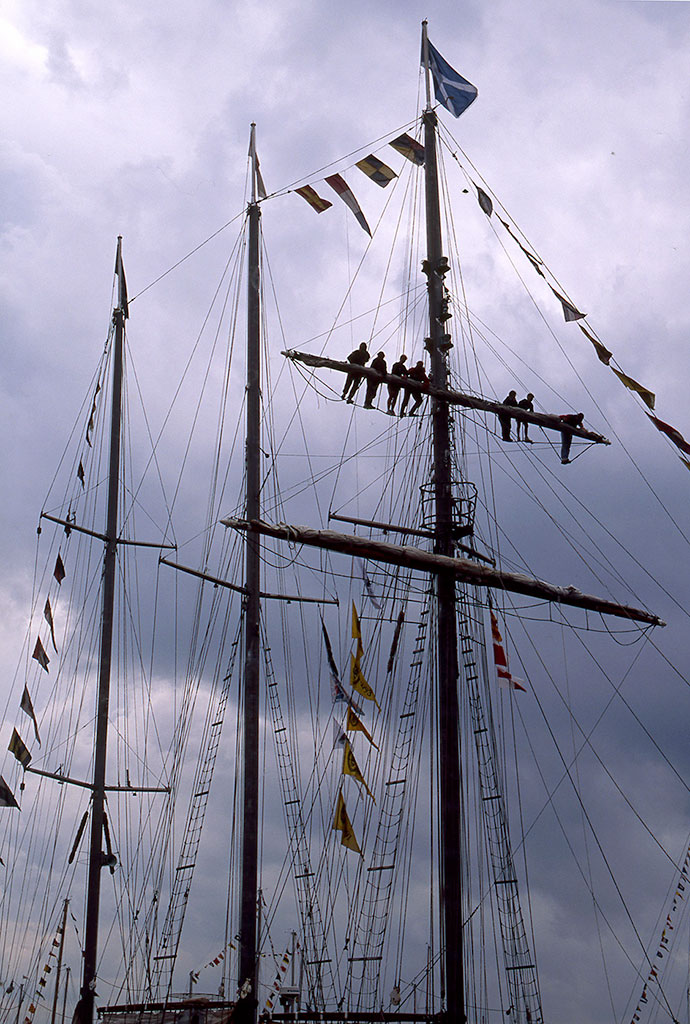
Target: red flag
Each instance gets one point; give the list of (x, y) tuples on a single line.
[(339, 185), (671, 432)]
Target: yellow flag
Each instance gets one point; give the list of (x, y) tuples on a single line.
[(350, 767), (647, 396), (358, 682), (341, 823), (355, 724), (356, 631)]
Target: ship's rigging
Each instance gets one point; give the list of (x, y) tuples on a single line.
[(420, 631)]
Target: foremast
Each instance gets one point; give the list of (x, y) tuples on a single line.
[(250, 815), (97, 860), (447, 640)]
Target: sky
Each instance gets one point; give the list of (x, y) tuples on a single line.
[(133, 120)]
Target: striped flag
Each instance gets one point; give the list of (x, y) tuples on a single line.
[(502, 671), (313, 198), (339, 185)]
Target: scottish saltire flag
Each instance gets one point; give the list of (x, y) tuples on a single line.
[(451, 89)]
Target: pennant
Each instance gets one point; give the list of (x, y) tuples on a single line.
[(80, 473), (329, 651), (313, 198), (359, 683), (675, 435), (453, 91), (534, 260), (484, 201), (396, 640), (6, 795), (121, 281), (647, 396), (356, 631), (26, 706), (500, 660), (339, 696), (350, 767), (339, 185), (409, 148), (341, 823), (89, 426), (48, 616), (355, 725), (40, 655), (569, 311), (603, 354), (59, 570), (368, 585), (260, 187), (376, 170), (339, 737), (19, 749)]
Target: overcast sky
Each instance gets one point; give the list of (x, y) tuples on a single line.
[(133, 119)]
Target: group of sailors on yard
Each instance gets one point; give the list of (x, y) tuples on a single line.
[(360, 357), (571, 419)]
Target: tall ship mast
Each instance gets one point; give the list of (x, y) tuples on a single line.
[(321, 702)]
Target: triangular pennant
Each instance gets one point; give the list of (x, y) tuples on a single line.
[(313, 198), (354, 724), (28, 708), (80, 473), (40, 655), (350, 767), (339, 185), (603, 354), (504, 676), (358, 682), (6, 795), (484, 201), (59, 570), (569, 311), (342, 824), (48, 616), (396, 640), (356, 631), (647, 396), (20, 750)]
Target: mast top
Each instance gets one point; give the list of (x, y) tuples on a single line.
[(425, 62)]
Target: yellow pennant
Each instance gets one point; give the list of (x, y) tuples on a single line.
[(356, 631), (350, 767), (341, 823), (647, 396), (359, 683), (355, 724)]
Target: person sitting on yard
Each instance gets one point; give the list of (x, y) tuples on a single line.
[(378, 363), (360, 357), (417, 373)]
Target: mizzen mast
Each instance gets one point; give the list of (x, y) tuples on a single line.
[(97, 859), (250, 696)]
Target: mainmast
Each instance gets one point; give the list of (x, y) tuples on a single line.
[(97, 859), (447, 640), (250, 815)]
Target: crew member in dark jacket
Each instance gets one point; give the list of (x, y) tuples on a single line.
[(417, 373), (378, 363), (397, 370), (574, 420), (504, 419), (360, 357), (528, 406)]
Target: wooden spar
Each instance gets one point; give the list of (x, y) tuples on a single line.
[(549, 421), (465, 570)]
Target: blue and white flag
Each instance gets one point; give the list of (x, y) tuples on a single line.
[(452, 90)]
